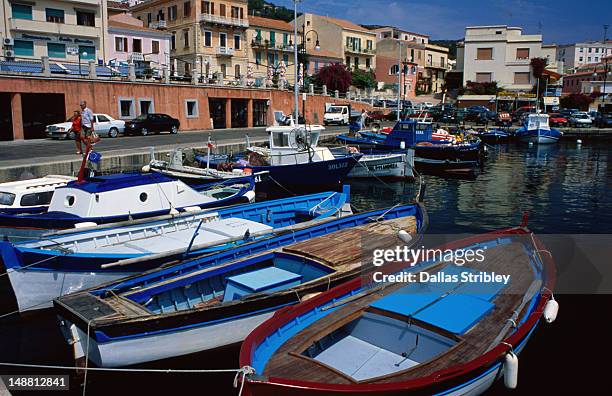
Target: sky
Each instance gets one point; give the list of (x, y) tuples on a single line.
[(559, 21)]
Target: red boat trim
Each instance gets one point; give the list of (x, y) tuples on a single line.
[(486, 360)]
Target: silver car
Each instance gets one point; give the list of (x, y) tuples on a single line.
[(104, 125)]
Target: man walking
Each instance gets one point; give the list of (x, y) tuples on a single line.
[(87, 123)]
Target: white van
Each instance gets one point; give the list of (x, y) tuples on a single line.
[(336, 114)]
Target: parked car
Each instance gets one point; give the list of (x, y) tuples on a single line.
[(593, 115), (503, 119), (567, 113), (580, 119), (604, 120), (376, 116), (556, 119), (104, 125), (154, 122), (518, 114), (337, 114)]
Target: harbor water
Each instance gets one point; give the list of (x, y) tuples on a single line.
[(565, 188)]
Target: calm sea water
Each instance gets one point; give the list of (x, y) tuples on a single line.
[(565, 188)]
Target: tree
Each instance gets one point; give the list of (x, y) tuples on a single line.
[(576, 101), (538, 65), (363, 79), (335, 76)]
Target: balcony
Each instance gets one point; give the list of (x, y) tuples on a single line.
[(161, 25), (224, 51), (360, 51), (221, 20), (436, 65), (44, 27)]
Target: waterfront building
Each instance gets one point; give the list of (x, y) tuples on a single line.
[(339, 39), (269, 43), (387, 66), (580, 54), (436, 66), (590, 78), (206, 37), (503, 54), (63, 30)]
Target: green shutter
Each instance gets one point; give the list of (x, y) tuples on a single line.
[(23, 48), (55, 50), (52, 12), (21, 11), (272, 38), (285, 39)]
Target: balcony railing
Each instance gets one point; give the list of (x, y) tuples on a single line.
[(225, 51), (361, 51), (437, 65), (221, 20), (158, 25)]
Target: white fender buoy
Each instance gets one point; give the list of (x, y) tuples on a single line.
[(174, 212), (404, 236), (146, 168), (579, 141), (402, 145), (192, 209), (85, 224), (511, 370), (250, 195), (530, 144), (550, 311)]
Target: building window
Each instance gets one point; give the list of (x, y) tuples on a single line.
[(155, 47), (285, 39), (394, 70), (87, 52), (86, 18), (368, 63), (54, 15), (235, 12), (348, 61), (237, 72), (221, 10), (237, 42), (224, 70), (484, 53), (483, 77), (136, 45), (126, 108), (149, 19), (21, 11), (146, 106), (172, 11), (222, 40), (286, 59), (173, 41), (271, 61), (187, 68), (581, 59), (522, 53), (369, 44), (590, 50), (56, 50), (272, 39), (442, 60), (316, 66), (356, 62), (187, 9), (121, 44), (191, 108), (208, 39), (206, 7), (521, 78), (186, 38), (258, 57)]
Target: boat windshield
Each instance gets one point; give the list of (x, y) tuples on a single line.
[(280, 139), (6, 198), (538, 121)]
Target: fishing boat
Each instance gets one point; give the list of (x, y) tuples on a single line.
[(95, 200), (175, 168), (216, 300), (68, 261), (30, 196), (494, 136), (451, 330), (295, 160), (383, 166), (537, 130)]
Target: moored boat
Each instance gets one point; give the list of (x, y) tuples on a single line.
[(66, 262), (30, 196), (494, 136), (218, 299), (434, 335), (537, 130)]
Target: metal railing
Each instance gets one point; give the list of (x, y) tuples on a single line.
[(363, 51), (209, 18)]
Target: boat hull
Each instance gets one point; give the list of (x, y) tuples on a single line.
[(538, 136), (384, 166)]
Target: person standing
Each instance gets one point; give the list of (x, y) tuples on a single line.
[(364, 117), (87, 124), (76, 128)]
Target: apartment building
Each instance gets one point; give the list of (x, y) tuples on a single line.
[(389, 55), (208, 37), (340, 39), (62, 30), (436, 66), (391, 32), (503, 54), (269, 42), (580, 54)]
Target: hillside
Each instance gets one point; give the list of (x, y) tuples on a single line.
[(266, 9)]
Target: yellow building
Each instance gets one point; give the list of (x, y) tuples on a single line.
[(269, 43), (208, 37), (340, 39), (436, 66)]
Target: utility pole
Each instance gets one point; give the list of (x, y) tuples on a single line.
[(399, 78)]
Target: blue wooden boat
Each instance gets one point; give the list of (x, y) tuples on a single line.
[(494, 136), (95, 201), (218, 299), (66, 262), (450, 331), (418, 135), (537, 130)]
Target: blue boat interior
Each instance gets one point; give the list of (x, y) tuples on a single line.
[(408, 327), (268, 273)]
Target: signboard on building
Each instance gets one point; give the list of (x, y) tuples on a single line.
[(72, 50), (551, 101)]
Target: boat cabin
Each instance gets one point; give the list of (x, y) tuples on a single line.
[(291, 145), (408, 133), (31, 193), (133, 193), (537, 121)]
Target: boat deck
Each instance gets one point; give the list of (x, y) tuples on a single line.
[(288, 362)]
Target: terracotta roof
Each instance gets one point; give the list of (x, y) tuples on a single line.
[(119, 5), (270, 23), (127, 26), (346, 24)]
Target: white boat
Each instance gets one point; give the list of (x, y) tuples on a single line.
[(388, 166), (537, 130), (30, 196)]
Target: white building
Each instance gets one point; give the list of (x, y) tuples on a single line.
[(579, 54), (502, 54), (59, 29)]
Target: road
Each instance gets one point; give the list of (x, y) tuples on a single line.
[(25, 152)]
